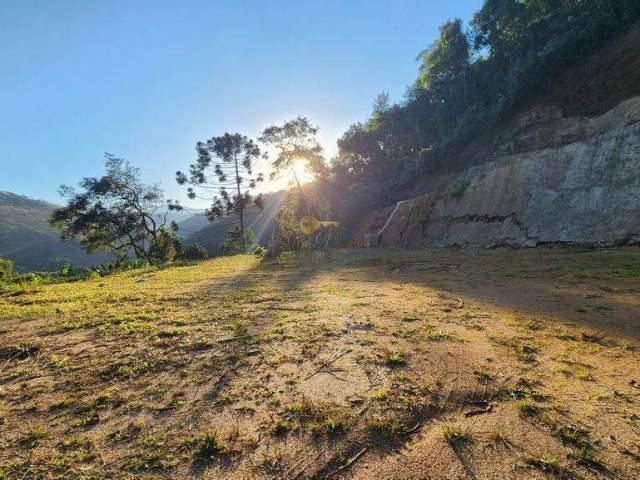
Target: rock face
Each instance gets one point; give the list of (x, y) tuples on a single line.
[(551, 179)]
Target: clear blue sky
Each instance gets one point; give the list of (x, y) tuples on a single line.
[(145, 80)]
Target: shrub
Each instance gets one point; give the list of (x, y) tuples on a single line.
[(232, 244), (6, 268), (194, 252), (65, 270)]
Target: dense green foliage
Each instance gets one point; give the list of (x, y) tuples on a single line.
[(468, 80), (195, 252), (117, 213), (234, 244), (6, 268)]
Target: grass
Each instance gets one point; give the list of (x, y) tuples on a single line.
[(455, 435), (563, 334), (385, 426), (526, 351), (484, 376), (528, 408), (394, 359), (148, 374), (585, 456), (548, 463), (208, 445), (328, 426), (281, 427), (32, 436)]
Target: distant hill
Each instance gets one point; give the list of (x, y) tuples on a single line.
[(197, 229), (29, 242)]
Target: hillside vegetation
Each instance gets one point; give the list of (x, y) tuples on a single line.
[(27, 239), (350, 364), (198, 230), (474, 79)]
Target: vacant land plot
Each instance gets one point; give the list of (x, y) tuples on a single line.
[(357, 364)]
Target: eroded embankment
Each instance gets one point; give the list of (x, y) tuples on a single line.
[(556, 179)]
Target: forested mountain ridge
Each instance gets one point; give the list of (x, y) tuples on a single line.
[(29, 242)]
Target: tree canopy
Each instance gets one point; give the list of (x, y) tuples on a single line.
[(295, 140), (223, 175), (117, 213), (468, 80)]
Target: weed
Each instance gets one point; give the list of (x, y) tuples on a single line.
[(572, 436), (271, 461), (32, 436), (564, 335), (592, 338), (295, 407), (381, 395), (475, 326), (533, 325), (499, 437), (457, 189), (585, 456), (455, 435), (239, 328), (527, 408), (547, 463), (208, 446), (484, 376), (439, 336), (395, 359), (526, 352), (516, 393), (130, 432), (584, 375), (328, 426), (281, 427), (386, 426)]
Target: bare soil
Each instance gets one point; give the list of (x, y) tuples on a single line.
[(355, 364)]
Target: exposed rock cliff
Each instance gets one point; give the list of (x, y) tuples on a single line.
[(552, 179)]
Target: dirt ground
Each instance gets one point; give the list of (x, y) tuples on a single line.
[(361, 364)]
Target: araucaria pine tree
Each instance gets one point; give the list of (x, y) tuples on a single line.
[(223, 175)]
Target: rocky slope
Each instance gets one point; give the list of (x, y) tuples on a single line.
[(553, 178)]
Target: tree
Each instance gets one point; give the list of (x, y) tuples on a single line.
[(382, 104), (116, 213), (445, 64), (194, 252), (235, 155), (295, 141), (236, 242)]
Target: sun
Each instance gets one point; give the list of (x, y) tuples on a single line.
[(287, 178), (300, 172)]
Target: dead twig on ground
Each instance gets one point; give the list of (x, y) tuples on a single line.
[(327, 363), (241, 337), (352, 460)]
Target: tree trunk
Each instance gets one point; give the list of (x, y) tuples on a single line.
[(241, 207)]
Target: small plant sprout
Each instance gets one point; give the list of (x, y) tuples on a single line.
[(455, 435)]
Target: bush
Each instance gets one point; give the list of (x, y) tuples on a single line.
[(194, 252), (65, 270), (6, 268), (164, 246), (232, 244)]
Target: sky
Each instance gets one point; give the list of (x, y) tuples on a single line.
[(145, 80)]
